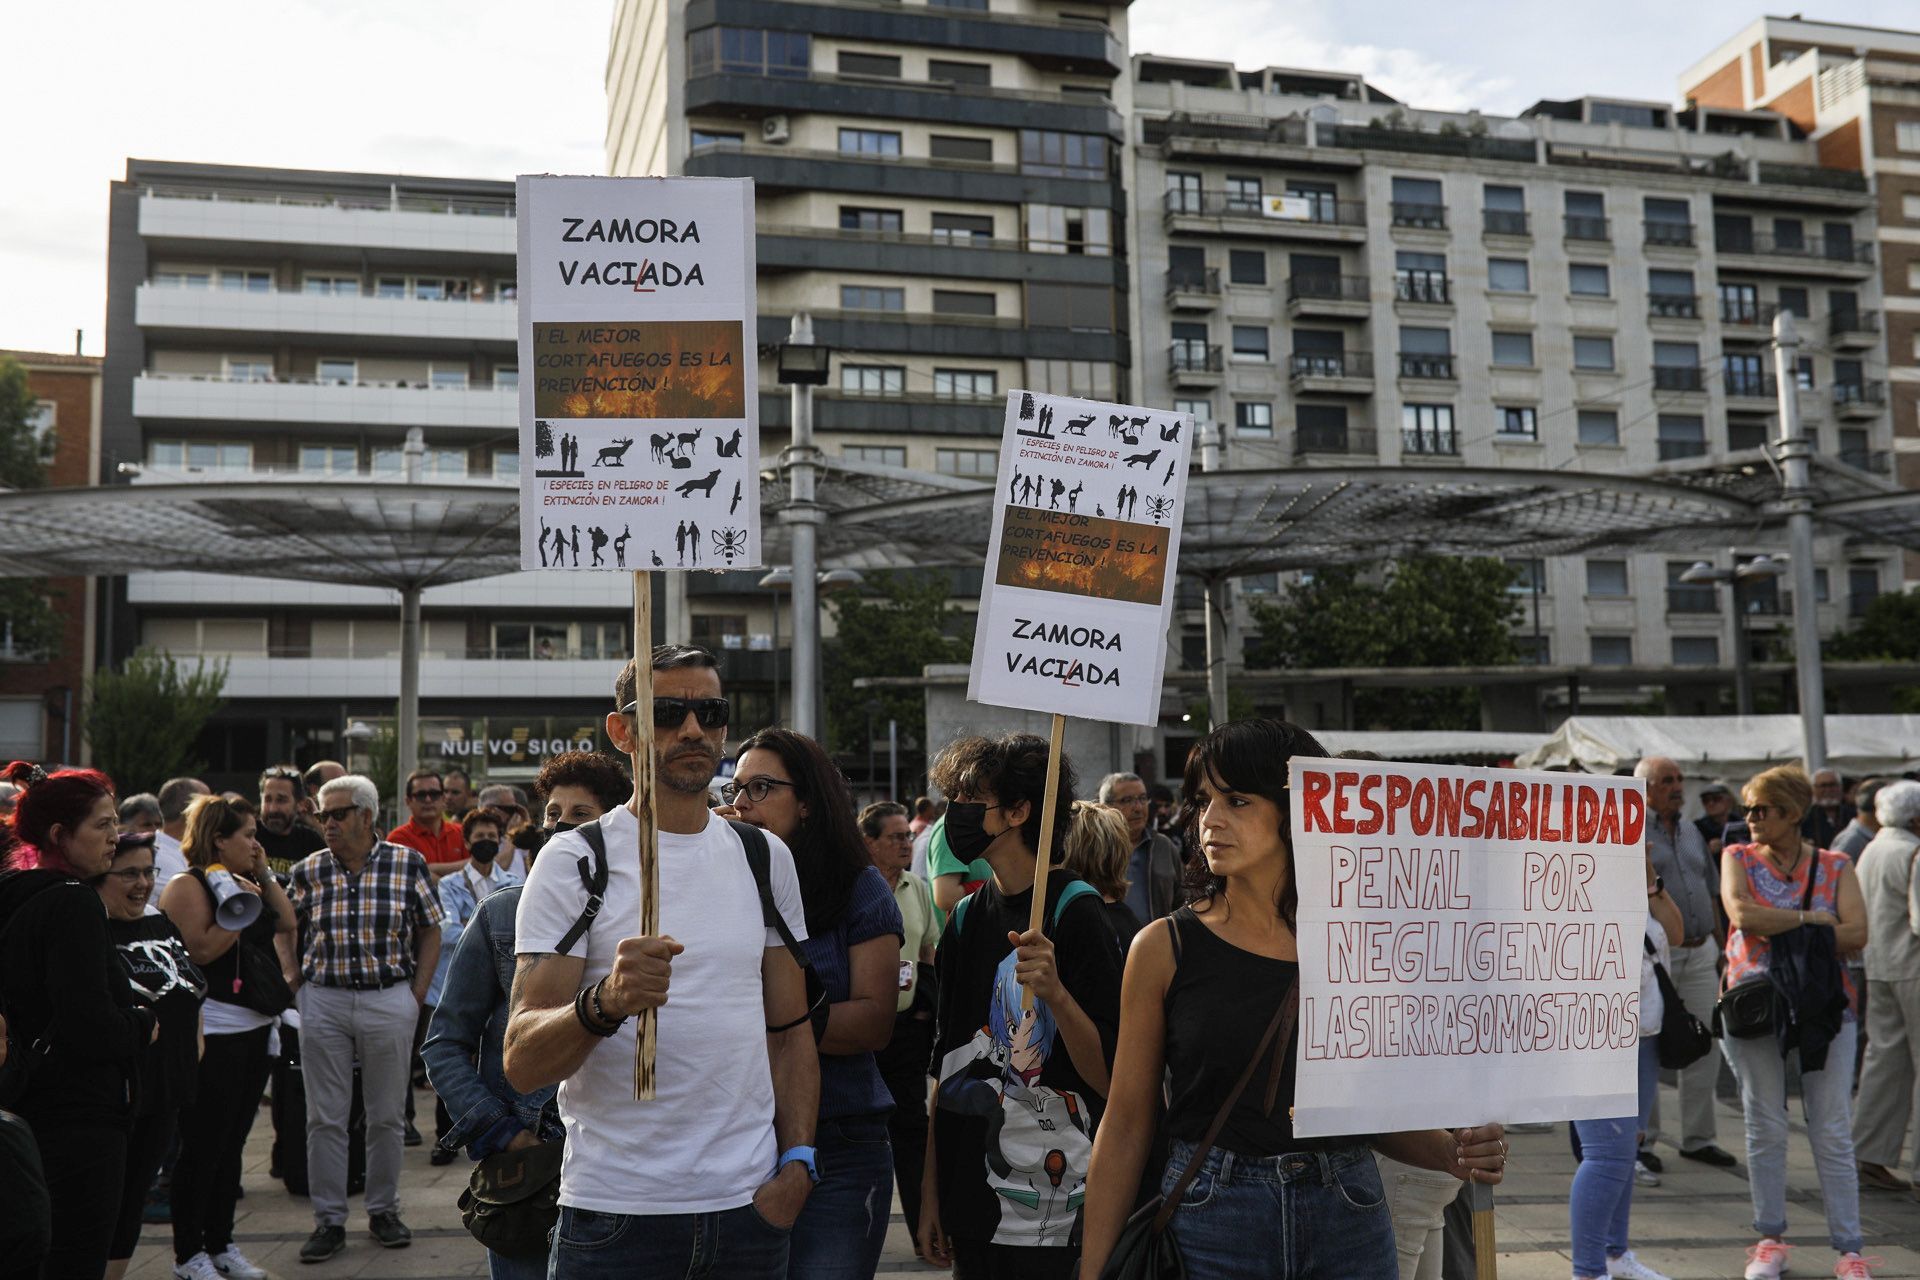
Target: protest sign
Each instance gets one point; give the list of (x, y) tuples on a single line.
[(1080, 562), (639, 376), (1470, 944)]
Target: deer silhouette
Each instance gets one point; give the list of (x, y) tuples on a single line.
[(1078, 426), (704, 484), (1143, 459), (660, 444), (688, 439), (730, 447), (614, 454)]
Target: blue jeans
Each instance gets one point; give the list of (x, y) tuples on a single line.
[(844, 1224), (1309, 1215), (1827, 1096), (1602, 1200), (502, 1268), (736, 1244)]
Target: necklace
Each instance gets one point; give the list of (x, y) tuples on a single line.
[(1787, 872)]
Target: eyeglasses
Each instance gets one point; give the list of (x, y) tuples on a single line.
[(428, 794), (339, 815), (757, 789), (900, 837), (131, 874), (1764, 812), (671, 713), (1128, 802)]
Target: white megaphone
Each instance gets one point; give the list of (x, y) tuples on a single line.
[(235, 906)]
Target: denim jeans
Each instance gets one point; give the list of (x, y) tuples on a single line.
[(844, 1224), (1601, 1204), (735, 1244), (1827, 1096), (503, 1268), (1308, 1215)]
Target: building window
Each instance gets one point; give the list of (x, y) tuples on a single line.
[(242, 369), (1250, 342), (1053, 228), (1599, 426), (1607, 578), (1613, 651), (1519, 420), (447, 378), (1199, 410), (390, 287), (872, 380), (963, 302), (435, 464), (869, 142), (1247, 266), (1513, 350), (1593, 353), (506, 465), (1529, 577), (1418, 202), (199, 455), (857, 219), (1696, 651), (983, 463), (962, 229), (946, 71), (1253, 418), (880, 66), (1428, 428), (965, 384), (1260, 584), (748, 51), (240, 281), (715, 138), (506, 378), (1906, 135), (331, 286), (949, 146), (1426, 353), (1682, 435), (1183, 192), (1243, 195), (867, 297), (187, 279), (1420, 277), (1863, 588), (1504, 210), (1589, 280), (1587, 215), (887, 455), (336, 373), (41, 419), (1508, 275), (1670, 294), (1087, 308), (329, 459), (1910, 208), (978, 6), (1063, 155)]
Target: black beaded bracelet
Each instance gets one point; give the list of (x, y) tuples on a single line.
[(586, 1020), (600, 1010)]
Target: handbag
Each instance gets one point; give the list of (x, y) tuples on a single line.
[(26, 1229), (258, 983), (1751, 1009), (1683, 1038), (513, 1200), (1146, 1250)]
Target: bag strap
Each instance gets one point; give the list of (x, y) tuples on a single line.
[(760, 862), (1281, 1025), (594, 876), (1813, 878)]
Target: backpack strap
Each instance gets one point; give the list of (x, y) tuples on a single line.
[(593, 874), (760, 862), (1074, 889)]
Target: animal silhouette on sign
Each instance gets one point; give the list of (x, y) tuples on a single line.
[(657, 563), (660, 443), (1171, 464), (1100, 511), (730, 543), (620, 546), (688, 441), (1116, 423), (1158, 507), (704, 484), (1073, 496), (1171, 432), (612, 455), (730, 447), (1143, 459), (1078, 426), (735, 504), (1139, 423)]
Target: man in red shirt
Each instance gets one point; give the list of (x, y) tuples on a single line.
[(428, 830)]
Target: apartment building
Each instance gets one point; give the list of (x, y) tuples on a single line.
[(42, 694), (1341, 280), (268, 320)]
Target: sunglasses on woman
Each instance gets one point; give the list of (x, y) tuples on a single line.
[(671, 713)]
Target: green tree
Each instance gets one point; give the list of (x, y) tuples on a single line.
[(144, 719), (1421, 611), (899, 624), (1889, 631), (28, 620)]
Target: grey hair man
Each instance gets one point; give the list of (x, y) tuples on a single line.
[(1153, 868), (1827, 814), (168, 860), (1888, 1091), (1681, 860), (140, 814), (1853, 837), (369, 943)]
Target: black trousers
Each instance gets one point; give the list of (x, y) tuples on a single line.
[(213, 1134), (979, 1260), (903, 1066), (85, 1168), (146, 1149)]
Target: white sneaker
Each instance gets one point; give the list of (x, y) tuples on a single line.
[(1854, 1267), (1767, 1260), (198, 1267), (1643, 1176), (1628, 1267), (236, 1265)]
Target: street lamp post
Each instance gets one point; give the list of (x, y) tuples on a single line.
[(1754, 570), (803, 365), (1796, 492)]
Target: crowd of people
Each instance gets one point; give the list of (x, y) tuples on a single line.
[(853, 1005)]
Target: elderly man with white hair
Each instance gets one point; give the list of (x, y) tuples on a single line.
[(369, 943), (1888, 1081)]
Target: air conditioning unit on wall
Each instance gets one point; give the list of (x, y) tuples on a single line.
[(775, 129)]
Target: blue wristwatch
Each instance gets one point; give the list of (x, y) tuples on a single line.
[(801, 1156)]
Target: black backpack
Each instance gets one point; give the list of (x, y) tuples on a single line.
[(593, 875)]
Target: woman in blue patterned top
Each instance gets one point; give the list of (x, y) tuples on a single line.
[(784, 783)]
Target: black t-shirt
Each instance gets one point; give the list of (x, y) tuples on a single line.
[(167, 981), (1124, 923), (285, 850), (1015, 1121)]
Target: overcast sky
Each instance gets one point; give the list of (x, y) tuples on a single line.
[(487, 89)]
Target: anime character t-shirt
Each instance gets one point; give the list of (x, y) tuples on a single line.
[(1015, 1120)]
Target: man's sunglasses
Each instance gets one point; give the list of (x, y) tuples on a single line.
[(671, 713), (433, 793), (339, 815)]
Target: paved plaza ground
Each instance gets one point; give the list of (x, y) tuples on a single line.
[(1693, 1227)]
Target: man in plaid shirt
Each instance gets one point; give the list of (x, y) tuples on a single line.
[(369, 943)]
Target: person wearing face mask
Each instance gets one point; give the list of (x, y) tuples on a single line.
[(167, 981)]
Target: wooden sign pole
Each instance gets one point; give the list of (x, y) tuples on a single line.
[(1486, 1259), (647, 1041), (1042, 862)]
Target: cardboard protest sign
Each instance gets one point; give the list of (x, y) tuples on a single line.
[(639, 376), (1470, 944), (1080, 564)]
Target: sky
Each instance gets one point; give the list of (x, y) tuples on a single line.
[(488, 89)]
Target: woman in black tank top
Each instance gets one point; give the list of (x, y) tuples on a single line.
[(1202, 990)]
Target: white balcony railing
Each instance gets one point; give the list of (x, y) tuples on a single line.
[(158, 306), (438, 226), (209, 397)]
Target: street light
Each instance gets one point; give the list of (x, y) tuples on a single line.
[(803, 365), (1760, 567)]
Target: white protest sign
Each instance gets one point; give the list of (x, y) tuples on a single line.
[(639, 374), (1293, 208), (1080, 564), (1470, 944)]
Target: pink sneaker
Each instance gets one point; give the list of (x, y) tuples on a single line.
[(1767, 1260), (1854, 1267)]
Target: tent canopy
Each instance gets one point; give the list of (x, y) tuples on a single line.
[(1465, 746), (1733, 748)]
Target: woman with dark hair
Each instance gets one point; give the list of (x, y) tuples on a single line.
[(784, 783), (1199, 994), (242, 1000), (70, 1010)]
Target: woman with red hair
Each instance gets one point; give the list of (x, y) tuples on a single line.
[(71, 1014)]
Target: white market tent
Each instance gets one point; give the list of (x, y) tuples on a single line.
[(1445, 746), (1732, 748)]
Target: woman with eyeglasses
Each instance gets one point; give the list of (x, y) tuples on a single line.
[(167, 981), (783, 782), (77, 1030), (1795, 909), (246, 990)]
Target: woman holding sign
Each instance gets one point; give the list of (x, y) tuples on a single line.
[(1207, 1001)]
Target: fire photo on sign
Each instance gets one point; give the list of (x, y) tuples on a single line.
[(639, 369), (1082, 555)]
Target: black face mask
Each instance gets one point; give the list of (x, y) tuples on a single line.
[(967, 832), (558, 827), (483, 850)]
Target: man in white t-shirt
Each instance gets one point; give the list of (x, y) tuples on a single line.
[(168, 860), (713, 1172)]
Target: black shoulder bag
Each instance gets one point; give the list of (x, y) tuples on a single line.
[(513, 1200), (1683, 1038), (1751, 1009), (1145, 1249)]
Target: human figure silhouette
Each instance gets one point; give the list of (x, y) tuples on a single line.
[(680, 541), (1120, 504), (693, 540), (620, 546), (576, 546), (1053, 498), (1133, 502), (1013, 493), (599, 537), (573, 452), (1046, 420), (544, 534)]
